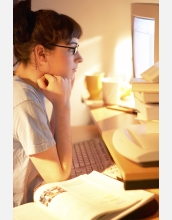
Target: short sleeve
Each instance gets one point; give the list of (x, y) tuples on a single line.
[(32, 128)]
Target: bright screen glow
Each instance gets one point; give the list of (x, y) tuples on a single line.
[(143, 44)]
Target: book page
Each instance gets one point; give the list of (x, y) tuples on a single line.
[(98, 194), (86, 198), (82, 198), (33, 211), (143, 195), (66, 205)]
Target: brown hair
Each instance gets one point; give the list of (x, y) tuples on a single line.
[(43, 27)]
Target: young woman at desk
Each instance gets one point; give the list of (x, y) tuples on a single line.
[(46, 48)]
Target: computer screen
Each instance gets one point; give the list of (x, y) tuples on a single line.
[(145, 36), (143, 40)]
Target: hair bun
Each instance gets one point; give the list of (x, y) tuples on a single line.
[(23, 22)]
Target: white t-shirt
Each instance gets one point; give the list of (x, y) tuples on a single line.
[(31, 135)]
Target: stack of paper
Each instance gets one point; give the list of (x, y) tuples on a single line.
[(146, 95)]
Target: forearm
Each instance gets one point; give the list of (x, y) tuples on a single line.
[(62, 135), (52, 122), (57, 90)]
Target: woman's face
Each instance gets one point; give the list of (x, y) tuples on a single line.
[(62, 62)]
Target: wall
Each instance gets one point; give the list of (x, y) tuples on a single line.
[(105, 45)]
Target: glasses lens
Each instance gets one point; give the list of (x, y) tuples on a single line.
[(76, 49)]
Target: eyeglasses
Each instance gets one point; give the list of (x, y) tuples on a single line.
[(73, 49)]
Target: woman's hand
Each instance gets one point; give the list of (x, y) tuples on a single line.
[(56, 89)]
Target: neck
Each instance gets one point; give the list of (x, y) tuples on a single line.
[(27, 74)]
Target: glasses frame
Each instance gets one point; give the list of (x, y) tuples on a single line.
[(75, 49)]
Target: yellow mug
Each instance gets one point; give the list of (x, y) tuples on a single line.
[(93, 84)]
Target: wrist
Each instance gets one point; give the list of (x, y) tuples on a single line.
[(61, 108)]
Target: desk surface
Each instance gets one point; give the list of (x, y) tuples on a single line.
[(80, 133), (107, 121)]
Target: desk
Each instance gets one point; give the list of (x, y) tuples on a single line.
[(107, 121), (80, 133), (134, 176)]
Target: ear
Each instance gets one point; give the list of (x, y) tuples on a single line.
[(40, 53)]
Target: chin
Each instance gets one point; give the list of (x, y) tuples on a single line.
[(73, 77)]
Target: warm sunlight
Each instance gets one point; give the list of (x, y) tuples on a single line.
[(93, 53), (123, 59)]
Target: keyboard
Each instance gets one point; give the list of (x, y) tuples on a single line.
[(92, 155)]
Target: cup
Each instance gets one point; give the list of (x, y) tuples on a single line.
[(93, 84), (111, 90)]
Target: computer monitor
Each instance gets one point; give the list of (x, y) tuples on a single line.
[(145, 36)]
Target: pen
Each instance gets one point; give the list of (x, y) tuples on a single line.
[(123, 108)]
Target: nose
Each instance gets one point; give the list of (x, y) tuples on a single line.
[(78, 57)]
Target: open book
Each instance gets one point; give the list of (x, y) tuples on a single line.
[(88, 197)]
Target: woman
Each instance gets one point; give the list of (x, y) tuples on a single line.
[(46, 50)]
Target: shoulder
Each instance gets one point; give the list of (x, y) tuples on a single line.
[(23, 92)]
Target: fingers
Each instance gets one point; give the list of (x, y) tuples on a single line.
[(56, 89), (41, 82), (49, 77), (47, 80)]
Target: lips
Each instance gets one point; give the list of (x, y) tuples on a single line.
[(74, 70)]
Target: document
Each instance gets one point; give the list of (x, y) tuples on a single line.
[(88, 197)]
